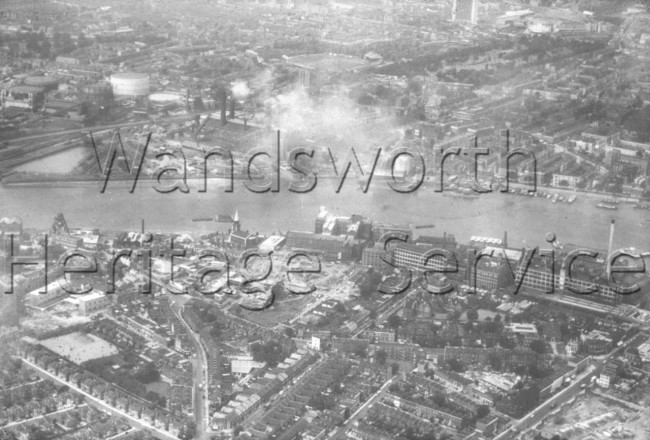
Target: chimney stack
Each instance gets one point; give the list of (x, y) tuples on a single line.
[(611, 245), (142, 225), (224, 99)]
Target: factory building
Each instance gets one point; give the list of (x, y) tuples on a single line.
[(130, 84), (465, 10), (28, 98)]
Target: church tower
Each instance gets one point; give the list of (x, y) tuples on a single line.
[(236, 226)]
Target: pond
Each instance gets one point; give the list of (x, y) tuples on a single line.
[(59, 163)]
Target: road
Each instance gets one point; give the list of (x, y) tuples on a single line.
[(43, 416), (557, 400), (286, 391), (199, 379), (362, 411), (99, 128), (382, 317), (137, 423), (520, 428)]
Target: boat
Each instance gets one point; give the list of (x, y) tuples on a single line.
[(465, 193), (642, 206), (605, 205), (203, 219), (572, 199), (610, 201), (560, 199), (555, 197)]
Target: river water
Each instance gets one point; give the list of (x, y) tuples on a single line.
[(527, 219)]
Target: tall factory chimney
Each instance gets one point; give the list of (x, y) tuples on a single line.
[(224, 99), (142, 226), (611, 245)]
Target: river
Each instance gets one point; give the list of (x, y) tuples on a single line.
[(61, 163), (527, 219)]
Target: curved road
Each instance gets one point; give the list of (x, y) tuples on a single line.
[(200, 378)]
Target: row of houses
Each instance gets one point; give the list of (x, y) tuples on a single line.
[(262, 389), (109, 393)]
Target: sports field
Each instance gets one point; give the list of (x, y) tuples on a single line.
[(80, 347)]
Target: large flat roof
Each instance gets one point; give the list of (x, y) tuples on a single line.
[(328, 62), (26, 89)]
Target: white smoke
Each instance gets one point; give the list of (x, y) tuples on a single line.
[(240, 90), (297, 111), (334, 121)]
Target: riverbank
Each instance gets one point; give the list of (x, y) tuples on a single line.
[(20, 180), (31, 179), (567, 192)]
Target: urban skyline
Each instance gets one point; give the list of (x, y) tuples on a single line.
[(317, 219)]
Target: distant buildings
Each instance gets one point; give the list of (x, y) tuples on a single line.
[(239, 238), (260, 391), (11, 225), (334, 237), (465, 10), (9, 316), (332, 247), (29, 98), (93, 302)]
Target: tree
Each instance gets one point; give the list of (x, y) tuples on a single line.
[(538, 346), (54, 251), (394, 321), (322, 402), (492, 327), (455, 365), (361, 351), (188, 431), (535, 372), (381, 356), (370, 283), (82, 41), (482, 411), (148, 374), (472, 314), (495, 362), (394, 368), (439, 399), (270, 352)]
